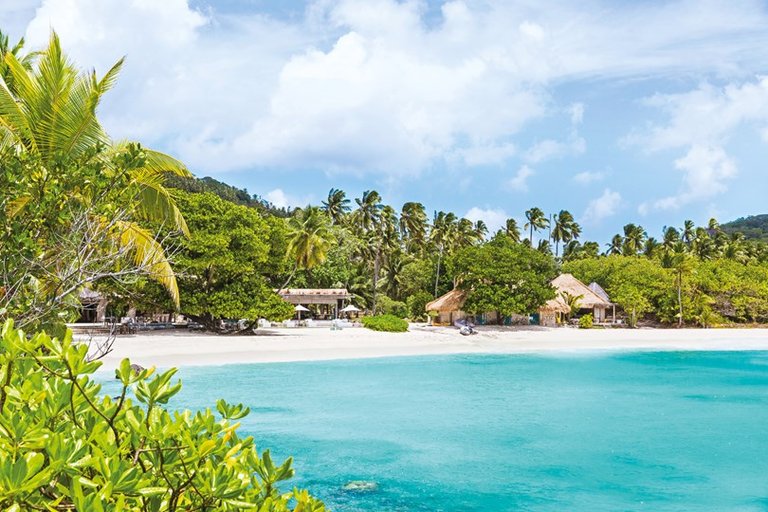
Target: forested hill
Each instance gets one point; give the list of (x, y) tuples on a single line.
[(226, 192), (754, 227)]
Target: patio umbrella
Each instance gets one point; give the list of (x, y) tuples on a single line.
[(299, 309), (349, 309)]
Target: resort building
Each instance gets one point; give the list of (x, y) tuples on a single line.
[(328, 301), (448, 307), (590, 299)]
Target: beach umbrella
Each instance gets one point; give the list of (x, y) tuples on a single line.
[(349, 309), (299, 308)]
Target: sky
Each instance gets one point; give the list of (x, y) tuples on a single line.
[(643, 111)]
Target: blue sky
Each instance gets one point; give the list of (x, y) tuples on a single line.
[(651, 112)]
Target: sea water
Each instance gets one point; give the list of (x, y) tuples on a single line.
[(667, 431)]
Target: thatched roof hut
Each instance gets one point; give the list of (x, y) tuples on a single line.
[(556, 305), (599, 291), (451, 301), (566, 283)]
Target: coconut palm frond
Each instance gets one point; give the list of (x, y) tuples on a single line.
[(156, 203), (149, 254)]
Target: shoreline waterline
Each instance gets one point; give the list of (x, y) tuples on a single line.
[(174, 348)]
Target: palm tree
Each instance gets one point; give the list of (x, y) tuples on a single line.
[(544, 246), (615, 245), (680, 260), (536, 221), (337, 205), (368, 210), (413, 226), (442, 236), (49, 113), (511, 230), (481, 229), (651, 247), (671, 237), (634, 238), (565, 229), (688, 233), (309, 239)]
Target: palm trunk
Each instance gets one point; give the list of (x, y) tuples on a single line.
[(680, 296), (375, 278), (437, 275), (295, 268)]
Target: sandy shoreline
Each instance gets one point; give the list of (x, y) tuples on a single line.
[(179, 348)]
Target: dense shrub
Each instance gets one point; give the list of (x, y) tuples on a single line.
[(65, 447), (417, 304), (388, 323), (586, 322), (387, 306)]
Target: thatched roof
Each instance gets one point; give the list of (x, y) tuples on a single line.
[(566, 283), (556, 305), (451, 301), (599, 291)]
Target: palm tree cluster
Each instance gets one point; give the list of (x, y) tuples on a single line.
[(703, 242)]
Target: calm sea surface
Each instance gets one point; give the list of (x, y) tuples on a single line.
[(641, 431)]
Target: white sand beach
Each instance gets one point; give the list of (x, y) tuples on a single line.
[(179, 348)]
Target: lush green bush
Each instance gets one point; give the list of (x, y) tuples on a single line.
[(388, 323), (65, 447), (586, 322), (417, 304), (387, 306)]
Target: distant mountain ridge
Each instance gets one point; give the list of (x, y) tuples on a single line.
[(226, 192), (753, 227)]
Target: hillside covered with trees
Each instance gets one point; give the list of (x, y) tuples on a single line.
[(753, 227)]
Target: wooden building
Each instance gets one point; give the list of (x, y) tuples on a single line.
[(327, 301)]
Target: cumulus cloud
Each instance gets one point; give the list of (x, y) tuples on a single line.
[(281, 199), (520, 180), (705, 171), (371, 86), (494, 218), (701, 122), (587, 177), (604, 206)]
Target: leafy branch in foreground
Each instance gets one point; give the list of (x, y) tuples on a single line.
[(65, 447)]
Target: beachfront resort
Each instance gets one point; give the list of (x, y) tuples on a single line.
[(383, 256)]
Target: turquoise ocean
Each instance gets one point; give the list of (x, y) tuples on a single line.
[(656, 431)]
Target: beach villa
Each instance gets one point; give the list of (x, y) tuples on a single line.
[(329, 301), (591, 299)]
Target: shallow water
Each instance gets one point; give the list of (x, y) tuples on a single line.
[(641, 431)]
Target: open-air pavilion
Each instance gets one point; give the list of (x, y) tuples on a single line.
[(327, 302)]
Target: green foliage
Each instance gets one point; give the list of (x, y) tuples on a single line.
[(417, 304), (387, 306), (76, 207), (65, 447), (504, 276), (387, 323), (586, 321), (227, 193), (220, 264), (754, 227)]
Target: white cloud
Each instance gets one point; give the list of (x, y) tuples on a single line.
[(369, 86), (486, 155), (495, 219), (705, 170), (701, 121), (282, 200), (604, 206), (587, 177), (576, 110), (520, 180)]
